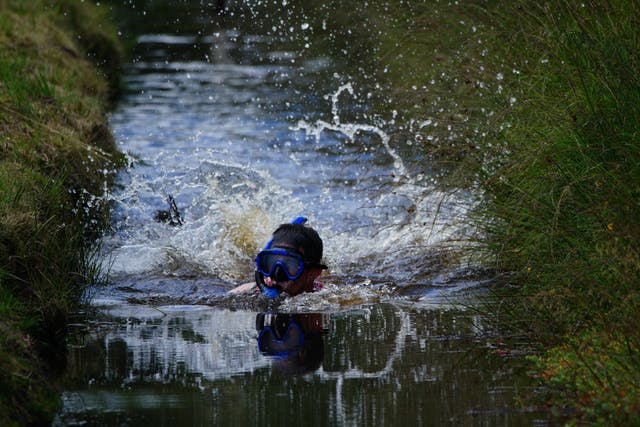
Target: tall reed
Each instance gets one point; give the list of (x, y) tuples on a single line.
[(535, 106), (561, 209)]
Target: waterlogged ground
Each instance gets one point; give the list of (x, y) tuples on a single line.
[(247, 126)]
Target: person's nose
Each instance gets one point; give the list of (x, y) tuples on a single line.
[(279, 275)]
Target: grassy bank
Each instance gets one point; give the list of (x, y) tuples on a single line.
[(534, 105), (537, 107), (562, 208), (56, 156)]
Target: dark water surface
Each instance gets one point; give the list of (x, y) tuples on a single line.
[(379, 365), (247, 122)]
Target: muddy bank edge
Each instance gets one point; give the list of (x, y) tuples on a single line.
[(59, 69)]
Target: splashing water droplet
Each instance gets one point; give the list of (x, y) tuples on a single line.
[(350, 130)]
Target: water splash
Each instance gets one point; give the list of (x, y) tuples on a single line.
[(351, 130), (228, 214), (227, 141)]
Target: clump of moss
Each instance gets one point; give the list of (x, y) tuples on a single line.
[(57, 157), (590, 374)]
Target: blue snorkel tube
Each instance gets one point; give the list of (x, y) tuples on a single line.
[(266, 290)]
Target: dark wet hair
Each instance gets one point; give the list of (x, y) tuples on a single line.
[(301, 236)]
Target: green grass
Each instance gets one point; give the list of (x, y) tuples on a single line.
[(565, 200), (53, 99), (535, 106), (561, 210), (538, 110)]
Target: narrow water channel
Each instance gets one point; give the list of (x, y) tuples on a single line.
[(247, 122)]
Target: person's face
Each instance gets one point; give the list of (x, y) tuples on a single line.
[(304, 283)]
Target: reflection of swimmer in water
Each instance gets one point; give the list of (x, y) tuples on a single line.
[(294, 339), (290, 262)]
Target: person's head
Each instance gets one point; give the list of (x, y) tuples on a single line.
[(296, 340), (292, 259)]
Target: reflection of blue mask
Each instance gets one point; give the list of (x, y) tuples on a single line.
[(279, 334), (269, 291)]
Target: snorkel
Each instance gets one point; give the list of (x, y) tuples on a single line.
[(272, 291)]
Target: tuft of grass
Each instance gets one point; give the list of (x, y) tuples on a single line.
[(55, 148), (536, 107), (595, 374), (562, 205), (560, 210)]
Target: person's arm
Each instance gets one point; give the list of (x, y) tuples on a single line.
[(247, 287)]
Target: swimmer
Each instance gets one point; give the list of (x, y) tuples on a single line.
[(289, 263), (295, 340)]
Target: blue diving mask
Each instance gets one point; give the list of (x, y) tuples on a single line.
[(279, 334), (277, 264), (280, 263)]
